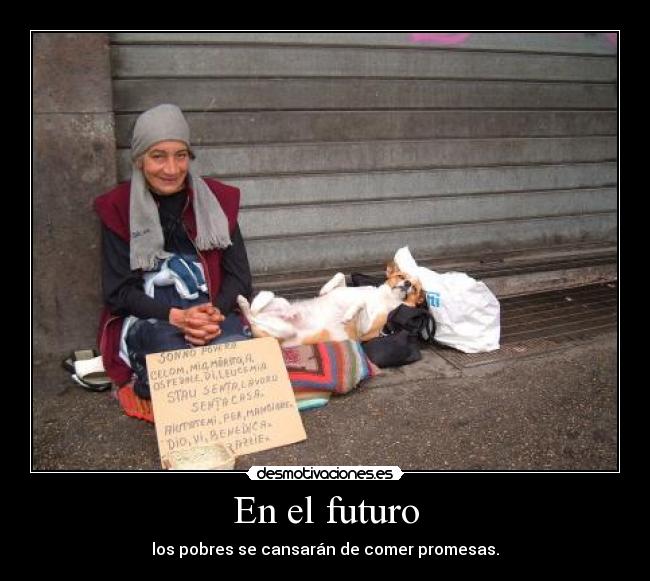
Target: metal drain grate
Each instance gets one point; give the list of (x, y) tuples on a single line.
[(547, 321)]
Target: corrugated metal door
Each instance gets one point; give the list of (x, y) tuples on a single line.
[(349, 145)]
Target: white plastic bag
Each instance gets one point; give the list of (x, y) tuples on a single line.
[(467, 314)]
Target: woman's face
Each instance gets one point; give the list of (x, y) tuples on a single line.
[(165, 166)]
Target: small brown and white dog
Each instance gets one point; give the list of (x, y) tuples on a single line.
[(339, 312)]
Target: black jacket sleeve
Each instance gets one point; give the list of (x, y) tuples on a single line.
[(236, 275), (124, 289)]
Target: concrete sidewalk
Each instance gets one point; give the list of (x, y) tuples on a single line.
[(551, 411)]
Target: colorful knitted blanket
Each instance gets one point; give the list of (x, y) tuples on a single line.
[(317, 371)]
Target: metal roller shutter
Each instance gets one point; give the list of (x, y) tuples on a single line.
[(347, 146)]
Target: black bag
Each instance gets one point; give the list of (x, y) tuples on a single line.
[(399, 343), (416, 320), (393, 350), (358, 279)]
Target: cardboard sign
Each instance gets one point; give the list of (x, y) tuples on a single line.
[(236, 394)]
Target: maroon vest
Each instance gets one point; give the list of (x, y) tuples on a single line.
[(113, 210)]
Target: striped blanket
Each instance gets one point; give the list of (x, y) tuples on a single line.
[(317, 371)]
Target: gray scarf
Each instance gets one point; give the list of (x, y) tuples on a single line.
[(167, 123)]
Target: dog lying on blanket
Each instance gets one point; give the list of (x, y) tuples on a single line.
[(338, 313)]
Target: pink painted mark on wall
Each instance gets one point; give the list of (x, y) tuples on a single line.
[(612, 37), (440, 37)]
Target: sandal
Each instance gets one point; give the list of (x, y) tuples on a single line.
[(101, 386), (81, 354), (87, 369), (90, 373)]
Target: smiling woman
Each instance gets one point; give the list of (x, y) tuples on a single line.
[(174, 260)]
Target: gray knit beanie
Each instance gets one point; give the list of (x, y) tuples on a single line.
[(162, 123)]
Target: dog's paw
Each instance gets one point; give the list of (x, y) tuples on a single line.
[(348, 317), (336, 281), (351, 312), (243, 303), (261, 301)]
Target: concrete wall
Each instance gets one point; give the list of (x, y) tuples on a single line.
[(73, 161)]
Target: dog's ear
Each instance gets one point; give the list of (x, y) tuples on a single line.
[(391, 268)]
